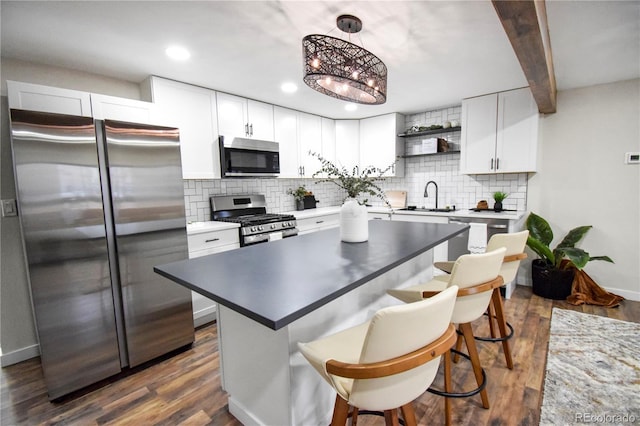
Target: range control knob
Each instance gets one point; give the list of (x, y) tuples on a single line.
[(253, 229), (260, 228), (273, 226)]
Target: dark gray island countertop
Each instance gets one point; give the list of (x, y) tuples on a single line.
[(278, 282)]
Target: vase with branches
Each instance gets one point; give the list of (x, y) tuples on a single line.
[(357, 183)]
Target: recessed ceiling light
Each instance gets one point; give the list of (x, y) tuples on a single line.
[(289, 87), (351, 107), (178, 53)]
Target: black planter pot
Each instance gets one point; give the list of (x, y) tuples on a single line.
[(497, 206), (299, 204), (551, 283)]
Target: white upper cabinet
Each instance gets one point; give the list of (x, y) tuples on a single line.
[(347, 143), (286, 133), (35, 97), (193, 110), (329, 139), (113, 108), (499, 133), (241, 117), (380, 145), (309, 139)]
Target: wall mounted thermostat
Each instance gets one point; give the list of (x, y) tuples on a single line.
[(632, 158)]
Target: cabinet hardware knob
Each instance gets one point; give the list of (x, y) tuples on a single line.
[(497, 163), (492, 164), (211, 240)]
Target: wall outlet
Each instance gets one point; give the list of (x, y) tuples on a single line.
[(632, 158), (9, 208)]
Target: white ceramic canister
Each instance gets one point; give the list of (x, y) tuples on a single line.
[(354, 222)]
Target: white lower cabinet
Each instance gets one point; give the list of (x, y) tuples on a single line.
[(202, 244), (317, 223), (440, 252), (379, 216)]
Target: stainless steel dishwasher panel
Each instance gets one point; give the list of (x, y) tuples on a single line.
[(458, 244)]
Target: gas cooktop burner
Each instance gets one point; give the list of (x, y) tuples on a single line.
[(258, 219)]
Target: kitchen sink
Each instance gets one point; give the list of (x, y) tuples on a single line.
[(407, 209)]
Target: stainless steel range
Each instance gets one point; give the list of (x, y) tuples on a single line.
[(250, 211)]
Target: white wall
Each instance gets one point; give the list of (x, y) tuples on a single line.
[(582, 179), (65, 78)]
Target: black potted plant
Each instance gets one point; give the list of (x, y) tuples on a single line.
[(298, 194), (499, 197), (553, 273)]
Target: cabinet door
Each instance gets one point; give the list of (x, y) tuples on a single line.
[(232, 116), (478, 138), (329, 139), (260, 119), (348, 143), (193, 110), (379, 143), (516, 142), (286, 133), (113, 108), (309, 139), (35, 97)]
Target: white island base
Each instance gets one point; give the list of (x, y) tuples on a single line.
[(268, 380)]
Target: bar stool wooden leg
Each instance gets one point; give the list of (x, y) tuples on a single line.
[(492, 314), (408, 415), (447, 388), (354, 416), (467, 331), (456, 357), (502, 325), (340, 412), (391, 417)]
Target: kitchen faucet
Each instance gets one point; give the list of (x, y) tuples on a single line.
[(426, 192)]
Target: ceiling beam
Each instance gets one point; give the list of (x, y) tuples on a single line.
[(525, 22)]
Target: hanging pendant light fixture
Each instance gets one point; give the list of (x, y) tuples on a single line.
[(343, 70)]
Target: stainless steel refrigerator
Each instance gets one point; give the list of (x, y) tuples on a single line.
[(100, 204)]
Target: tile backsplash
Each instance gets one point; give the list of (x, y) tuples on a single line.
[(463, 191)]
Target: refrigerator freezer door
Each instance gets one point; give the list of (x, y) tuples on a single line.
[(150, 226), (61, 213)]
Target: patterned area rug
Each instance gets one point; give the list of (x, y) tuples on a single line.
[(593, 371)]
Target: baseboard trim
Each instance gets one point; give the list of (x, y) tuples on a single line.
[(204, 316), (19, 355)]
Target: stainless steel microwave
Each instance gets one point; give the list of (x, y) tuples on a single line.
[(242, 157)]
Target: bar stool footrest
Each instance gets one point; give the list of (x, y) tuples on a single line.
[(461, 394), (496, 339)]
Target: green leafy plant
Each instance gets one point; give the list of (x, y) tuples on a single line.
[(298, 193), (541, 235), (498, 197), (356, 183)]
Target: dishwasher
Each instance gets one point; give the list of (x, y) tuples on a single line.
[(458, 244)]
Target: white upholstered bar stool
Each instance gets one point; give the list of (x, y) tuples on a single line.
[(514, 243), (387, 362), (476, 275)]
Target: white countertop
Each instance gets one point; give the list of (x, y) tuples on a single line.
[(200, 227), (309, 213)]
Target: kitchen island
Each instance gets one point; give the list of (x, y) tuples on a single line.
[(272, 296)]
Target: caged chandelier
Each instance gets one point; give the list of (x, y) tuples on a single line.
[(343, 70)]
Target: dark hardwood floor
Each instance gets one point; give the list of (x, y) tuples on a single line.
[(185, 389)]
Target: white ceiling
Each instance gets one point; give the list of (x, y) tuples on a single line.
[(437, 52)]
